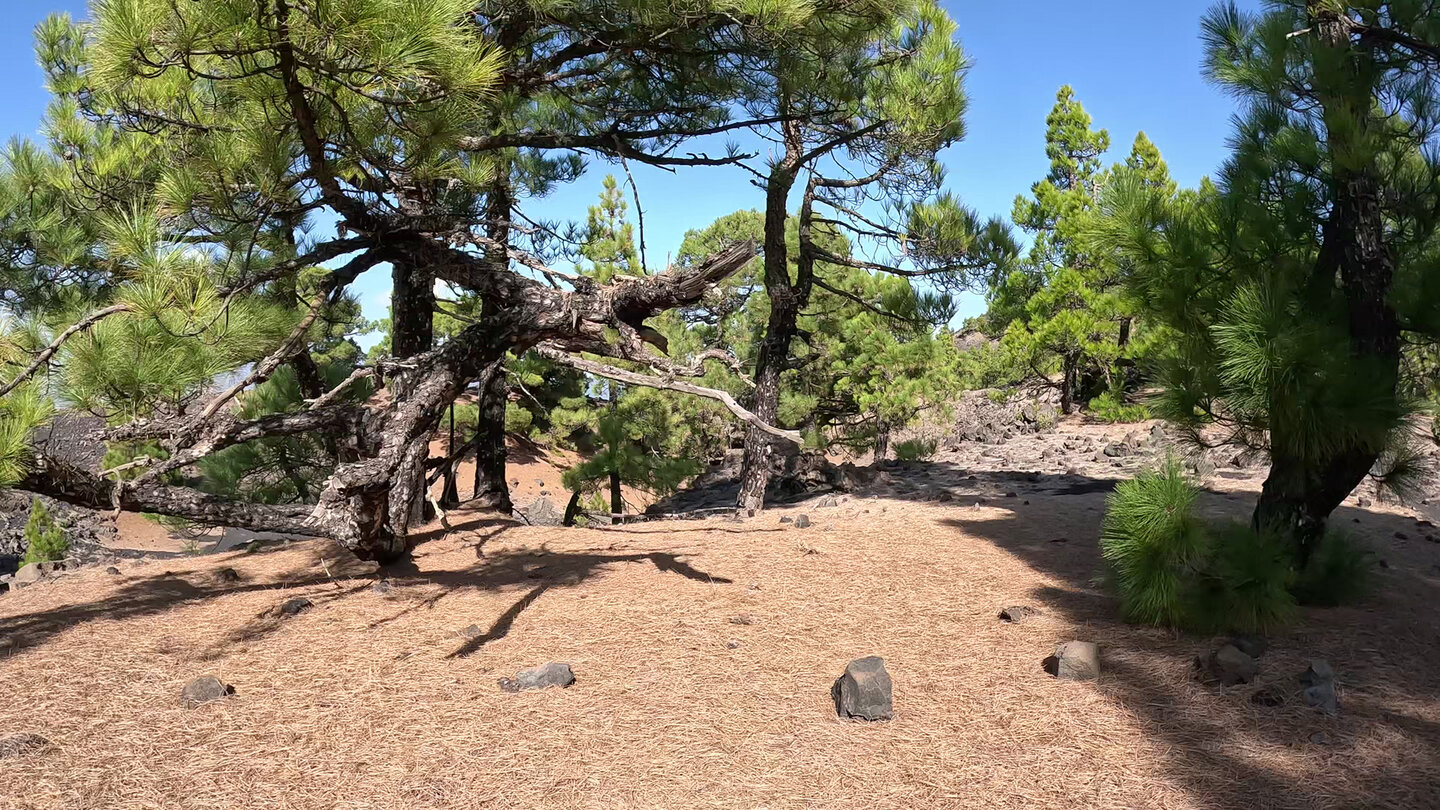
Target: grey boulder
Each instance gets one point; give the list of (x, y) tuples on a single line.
[(865, 691), (1074, 661), (541, 677), (204, 690)]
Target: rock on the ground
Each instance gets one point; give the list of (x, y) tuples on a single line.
[(802, 521), (543, 512), (1319, 682), (1318, 672), (112, 570), (22, 744), (1228, 666), (541, 677), (828, 502), (1074, 661), (1253, 646), (204, 690), (1017, 613), (227, 576), (293, 607), (864, 691), (1116, 450)]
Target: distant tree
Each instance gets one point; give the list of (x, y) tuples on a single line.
[(1064, 309)]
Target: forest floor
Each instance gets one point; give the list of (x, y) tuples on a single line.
[(704, 652)]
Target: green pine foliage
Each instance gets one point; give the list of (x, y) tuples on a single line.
[(44, 539), (915, 449), (1064, 314), (1108, 407), (1340, 572), (1172, 569)]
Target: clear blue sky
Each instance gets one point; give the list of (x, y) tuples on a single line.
[(1133, 63)]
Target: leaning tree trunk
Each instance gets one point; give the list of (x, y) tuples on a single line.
[(491, 490), (882, 442), (774, 353), (1299, 495)]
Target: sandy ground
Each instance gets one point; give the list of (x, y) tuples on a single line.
[(704, 653)]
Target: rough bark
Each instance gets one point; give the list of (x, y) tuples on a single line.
[(774, 352), (490, 489), (1299, 494)]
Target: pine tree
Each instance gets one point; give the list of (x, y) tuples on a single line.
[(1290, 283), (1063, 312), (194, 149)]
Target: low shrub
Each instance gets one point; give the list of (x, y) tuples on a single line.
[(44, 539), (915, 449), (1172, 569), (1109, 408)]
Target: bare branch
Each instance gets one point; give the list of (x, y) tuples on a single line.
[(649, 381), (49, 351)]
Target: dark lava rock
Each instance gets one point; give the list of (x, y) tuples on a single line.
[(787, 519), (864, 691), (741, 620), (1116, 450), (541, 677), (802, 522), (227, 576), (294, 607), (204, 690), (1227, 666), (112, 570), (1018, 613), (543, 512), (1253, 646)]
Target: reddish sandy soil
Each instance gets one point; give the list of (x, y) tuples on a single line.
[(704, 653)]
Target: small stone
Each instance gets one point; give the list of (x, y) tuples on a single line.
[(22, 744), (828, 502), (204, 690), (1321, 738), (473, 631), (1116, 450), (787, 519), (741, 620), (732, 644), (381, 587), (227, 576), (1074, 661), (541, 677), (1228, 666), (1322, 696), (1017, 613), (1012, 494), (28, 574), (1318, 672), (802, 522), (294, 607), (1362, 501), (1268, 697), (1253, 646), (112, 571), (1401, 536), (864, 691)]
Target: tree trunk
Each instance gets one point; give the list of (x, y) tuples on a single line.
[(450, 495), (1067, 383), (491, 490), (1299, 495), (774, 353), (572, 509), (617, 500), (882, 443), (412, 310)]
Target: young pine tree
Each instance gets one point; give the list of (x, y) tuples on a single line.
[(1290, 284)]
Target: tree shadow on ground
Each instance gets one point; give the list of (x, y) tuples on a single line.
[(1227, 751), (147, 596)]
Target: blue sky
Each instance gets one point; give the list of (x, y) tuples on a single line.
[(1134, 64)]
